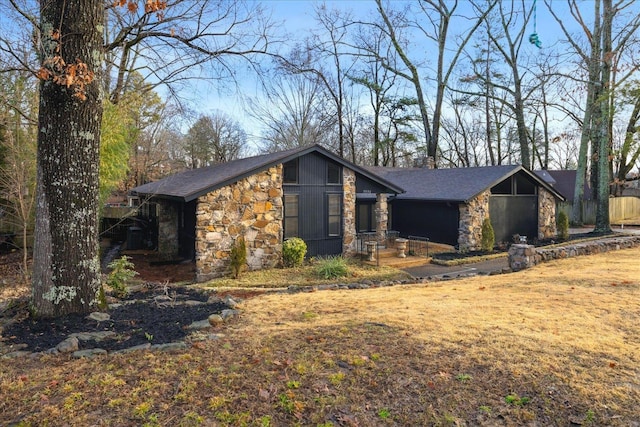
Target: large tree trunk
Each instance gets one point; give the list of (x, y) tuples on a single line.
[(66, 268), (604, 136)]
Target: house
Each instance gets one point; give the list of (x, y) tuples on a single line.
[(449, 205), (306, 192)]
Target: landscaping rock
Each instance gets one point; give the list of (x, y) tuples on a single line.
[(215, 319), (200, 324), (99, 316), (170, 346), (146, 346), (95, 336), (69, 345), (226, 314)]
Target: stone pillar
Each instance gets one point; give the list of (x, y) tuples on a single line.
[(167, 229), (382, 217), (472, 215), (546, 215), (522, 256), (349, 213)]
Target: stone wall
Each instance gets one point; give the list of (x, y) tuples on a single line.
[(526, 256), (349, 212), (472, 215), (251, 208), (546, 214), (167, 229)]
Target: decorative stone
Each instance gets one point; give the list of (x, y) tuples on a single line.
[(228, 300), (69, 345), (93, 336), (226, 314), (144, 346), (170, 346), (215, 319), (200, 324), (98, 316)]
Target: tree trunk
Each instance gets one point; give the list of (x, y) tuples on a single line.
[(66, 268), (604, 130)]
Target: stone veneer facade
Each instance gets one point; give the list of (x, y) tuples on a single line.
[(473, 213), (470, 226), (349, 212), (546, 214), (251, 208)]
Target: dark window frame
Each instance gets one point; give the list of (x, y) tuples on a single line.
[(331, 232), (288, 169), (337, 171), (289, 218)]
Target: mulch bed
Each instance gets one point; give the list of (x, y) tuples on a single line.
[(139, 320)]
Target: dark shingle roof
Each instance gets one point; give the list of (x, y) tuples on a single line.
[(191, 184), (454, 185)]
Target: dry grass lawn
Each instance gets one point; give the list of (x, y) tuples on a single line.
[(557, 345)]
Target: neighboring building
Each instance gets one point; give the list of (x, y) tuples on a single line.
[(306, 192), (564, 181), (449, 205)]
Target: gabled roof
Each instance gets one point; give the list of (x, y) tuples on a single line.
[(191, 184), (564, 181), (453, 185)]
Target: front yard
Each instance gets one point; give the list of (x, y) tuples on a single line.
[(555, 345)]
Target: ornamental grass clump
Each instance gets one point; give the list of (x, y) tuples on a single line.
[(293, 252), (332, 267)]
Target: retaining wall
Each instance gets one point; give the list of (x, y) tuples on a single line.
[(525, 256)]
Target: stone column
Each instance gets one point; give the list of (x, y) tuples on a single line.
[(546, 215), (472, 215), (168, 229), (349, 213), (382, 217)]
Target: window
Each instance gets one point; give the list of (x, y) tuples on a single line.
[(290, 215), (524, 185), (334, 214), (364, 217), (290, 172), (333, 174)]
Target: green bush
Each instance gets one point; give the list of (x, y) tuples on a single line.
[(563, 226), (293, 252), (238, 257), (332, 267), (488, 236), (121, 272)]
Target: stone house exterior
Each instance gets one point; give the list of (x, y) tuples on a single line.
[(305, 192), (449, 205)]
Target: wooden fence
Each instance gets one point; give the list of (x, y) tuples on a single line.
[(620, 208)]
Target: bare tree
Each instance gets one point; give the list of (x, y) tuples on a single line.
[(212, 139), (439, 14), (293, 110), (187, 40)]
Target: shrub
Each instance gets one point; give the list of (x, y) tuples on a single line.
[(121, 272), (238, 257), (332, 267), (563, 226), (488, 236), (293, 252)]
